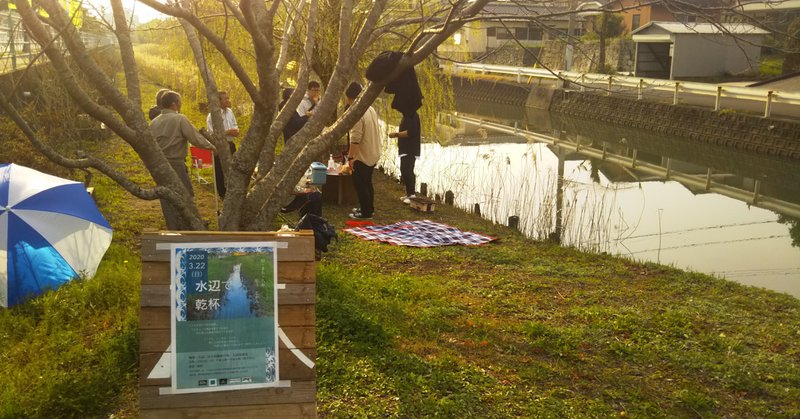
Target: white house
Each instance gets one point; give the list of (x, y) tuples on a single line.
[(677, 50), (526, 22)]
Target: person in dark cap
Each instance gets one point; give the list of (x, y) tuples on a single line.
[(364, 153)]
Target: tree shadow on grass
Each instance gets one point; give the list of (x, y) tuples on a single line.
[(363, 370)]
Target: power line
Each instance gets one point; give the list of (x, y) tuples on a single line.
[(701, 229), (711, 243)]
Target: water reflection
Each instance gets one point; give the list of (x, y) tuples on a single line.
[(236, 303), (605, 189)]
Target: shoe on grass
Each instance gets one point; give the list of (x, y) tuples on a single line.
[(407, 199), (360, 216)]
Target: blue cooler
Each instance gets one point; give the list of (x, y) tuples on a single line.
[(318, 173)]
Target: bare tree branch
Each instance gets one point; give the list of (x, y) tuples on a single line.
[(215, 40), (81, 163), (288, 31), (126, 52), (66, 76)]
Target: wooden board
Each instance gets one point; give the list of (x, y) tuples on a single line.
[(422, 204), (296, 317)]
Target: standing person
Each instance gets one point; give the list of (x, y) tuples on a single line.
[(364, 153), (172, 131), (408, 147), (231, 132)]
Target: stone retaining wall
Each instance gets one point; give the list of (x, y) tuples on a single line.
[(491, 91), (739, 131)]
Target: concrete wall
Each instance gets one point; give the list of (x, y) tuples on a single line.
[(767, 136), (697, 56), (739, 131), (713, 55), (491, 91)]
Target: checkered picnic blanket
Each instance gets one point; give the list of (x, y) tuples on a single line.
[(421, 233)]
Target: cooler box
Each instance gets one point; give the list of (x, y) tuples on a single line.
[(318, 173)]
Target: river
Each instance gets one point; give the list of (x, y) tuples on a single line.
[(693, 206), (236, 304)]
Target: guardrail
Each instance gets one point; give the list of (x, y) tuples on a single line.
[(17, 48), (642, 85), (753, 197)]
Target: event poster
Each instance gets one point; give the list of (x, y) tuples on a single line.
[(224, 316)]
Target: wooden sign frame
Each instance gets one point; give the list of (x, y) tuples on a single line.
[(296, 317)]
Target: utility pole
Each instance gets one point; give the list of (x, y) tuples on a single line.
[(570, 26)]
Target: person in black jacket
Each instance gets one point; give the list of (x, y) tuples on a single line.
[(296, 121), (409, 146), (407, 100)]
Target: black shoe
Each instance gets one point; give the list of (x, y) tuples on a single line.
[(360, 216)]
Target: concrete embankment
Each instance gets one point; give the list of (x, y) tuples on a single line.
[(739, 131)]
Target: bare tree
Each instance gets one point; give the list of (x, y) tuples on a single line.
[(257, 178)]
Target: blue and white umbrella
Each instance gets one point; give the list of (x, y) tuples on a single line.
[(50, 232)]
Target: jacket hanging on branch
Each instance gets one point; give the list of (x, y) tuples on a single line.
[(405, 87)]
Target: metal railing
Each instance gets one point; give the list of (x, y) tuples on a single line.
[(753, 197), (17, 49), (641, 85)]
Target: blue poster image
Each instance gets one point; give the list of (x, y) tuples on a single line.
[(224, 332)]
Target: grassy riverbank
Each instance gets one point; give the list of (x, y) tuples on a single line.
[(514, 328), (519, 328)]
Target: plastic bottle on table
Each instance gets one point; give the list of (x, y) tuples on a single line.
[(331, 164)]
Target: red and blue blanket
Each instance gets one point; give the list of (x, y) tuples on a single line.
[(420, 233)]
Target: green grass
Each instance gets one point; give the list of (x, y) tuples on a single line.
[(524, 329), (512, 329), (771, 66), (73, 352)]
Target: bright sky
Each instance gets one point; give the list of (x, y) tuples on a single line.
[(142, 12)]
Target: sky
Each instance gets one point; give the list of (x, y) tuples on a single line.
[(142, 12)]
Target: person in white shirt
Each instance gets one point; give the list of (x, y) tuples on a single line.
[(310, 100), (364, 153), (231, 132)]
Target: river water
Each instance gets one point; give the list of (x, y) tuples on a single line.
[(681, 203), (236, 304)]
